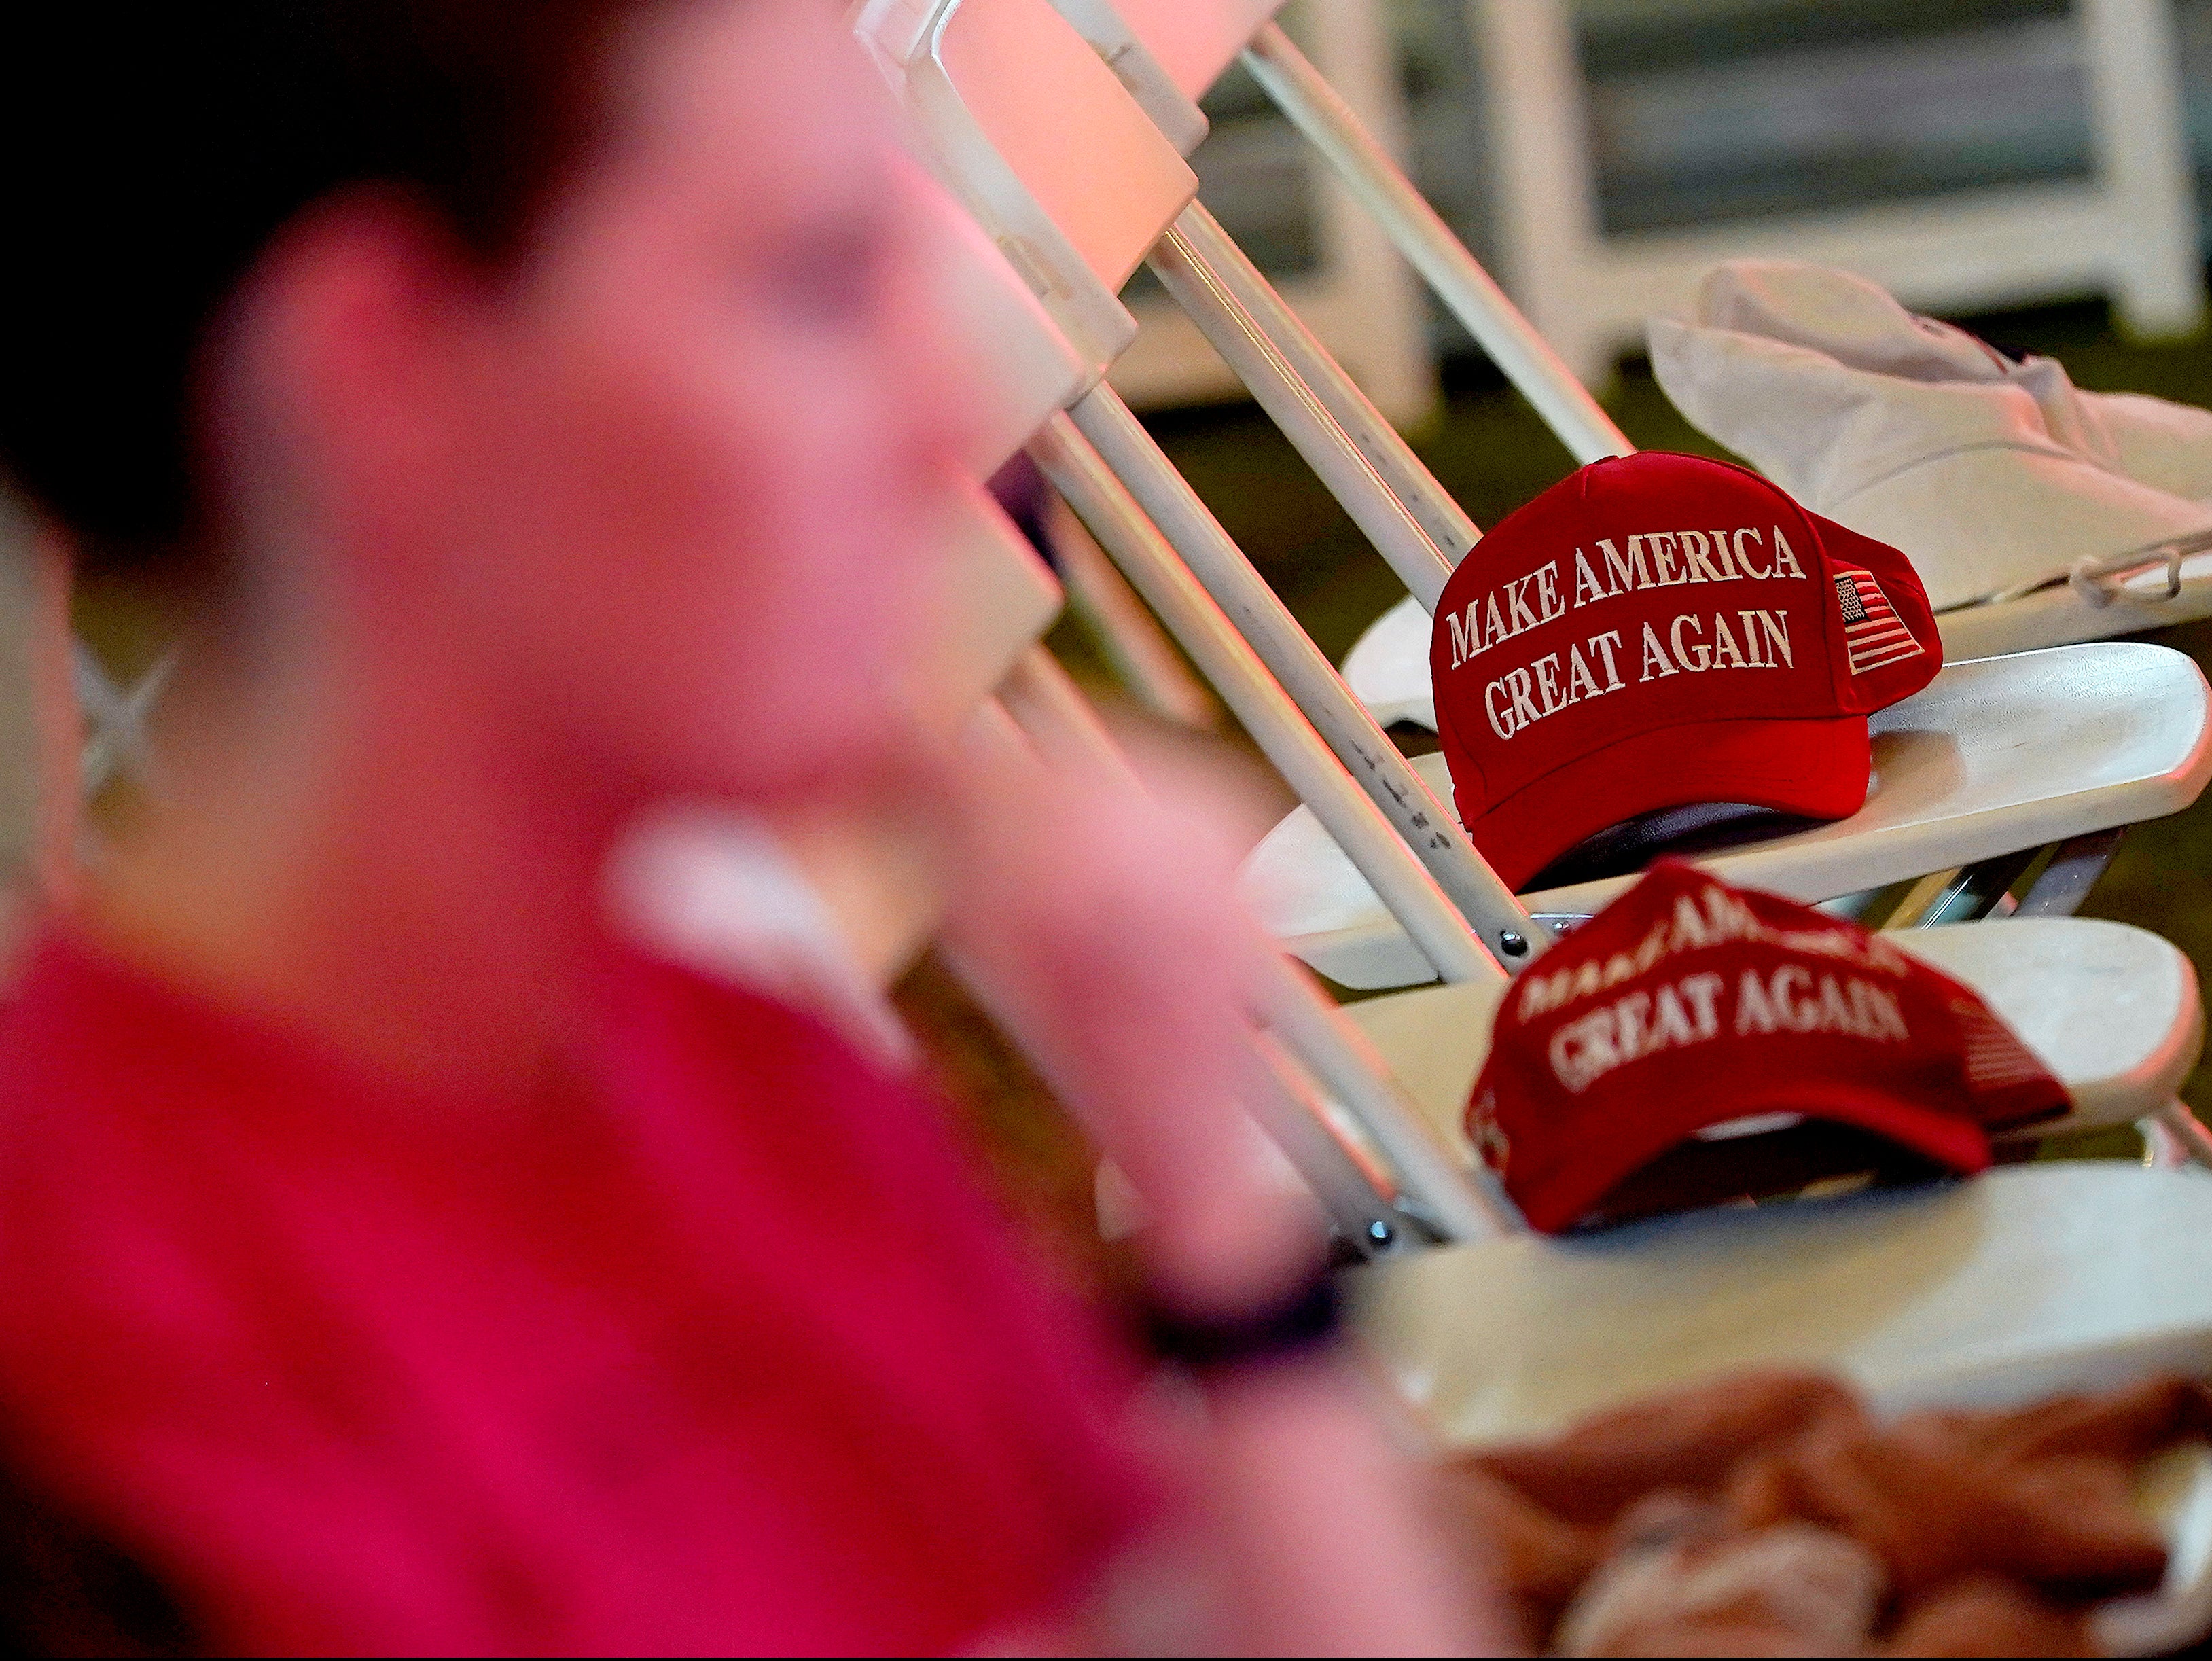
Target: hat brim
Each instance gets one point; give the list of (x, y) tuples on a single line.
[(1818, 768), (1603, 1163)]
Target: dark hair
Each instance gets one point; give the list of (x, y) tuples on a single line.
[(153, 150)]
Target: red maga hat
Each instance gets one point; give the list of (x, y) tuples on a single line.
[(1696, 1042), (1660, 630)]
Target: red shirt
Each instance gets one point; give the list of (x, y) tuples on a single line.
[(728, 1352)]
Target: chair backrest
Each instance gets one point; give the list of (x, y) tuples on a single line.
[(1170, 105), (1047, 104), (1026, 369), (999, 599), (1012, 109), (996, 599)]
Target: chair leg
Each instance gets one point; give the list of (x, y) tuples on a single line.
[(1373, 310), (1975, 890), (2073, 872), (1133, 642), (1374, 177), (1410, 518), (1546, 183), (2186, 1130)]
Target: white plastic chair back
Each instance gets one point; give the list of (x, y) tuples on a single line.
[(1027, 370), (1026, 76), (980, 75)]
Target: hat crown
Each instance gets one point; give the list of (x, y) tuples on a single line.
[(1690, 1005), (1658, 593)]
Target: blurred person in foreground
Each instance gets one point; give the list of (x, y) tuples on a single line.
[(531, 405)]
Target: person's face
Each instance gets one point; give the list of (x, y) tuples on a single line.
[(705, 436)]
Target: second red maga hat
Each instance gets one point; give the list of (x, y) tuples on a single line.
[(1660, 630), (1696, 1042)]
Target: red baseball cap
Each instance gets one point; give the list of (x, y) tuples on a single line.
[(1659, 631), (1696, 1042)]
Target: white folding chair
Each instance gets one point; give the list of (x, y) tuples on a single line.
[(981, 80), (1964, 771), (1939, 820)]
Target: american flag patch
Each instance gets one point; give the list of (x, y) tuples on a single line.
[(1997, 1065), (1995, 1059), (1874, 634)]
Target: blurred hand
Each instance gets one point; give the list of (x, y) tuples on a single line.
[(1092, 906)]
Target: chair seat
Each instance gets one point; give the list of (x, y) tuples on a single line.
[(2025, 1283), (2022, 1283), (1996, 756), (2112, 1011)]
